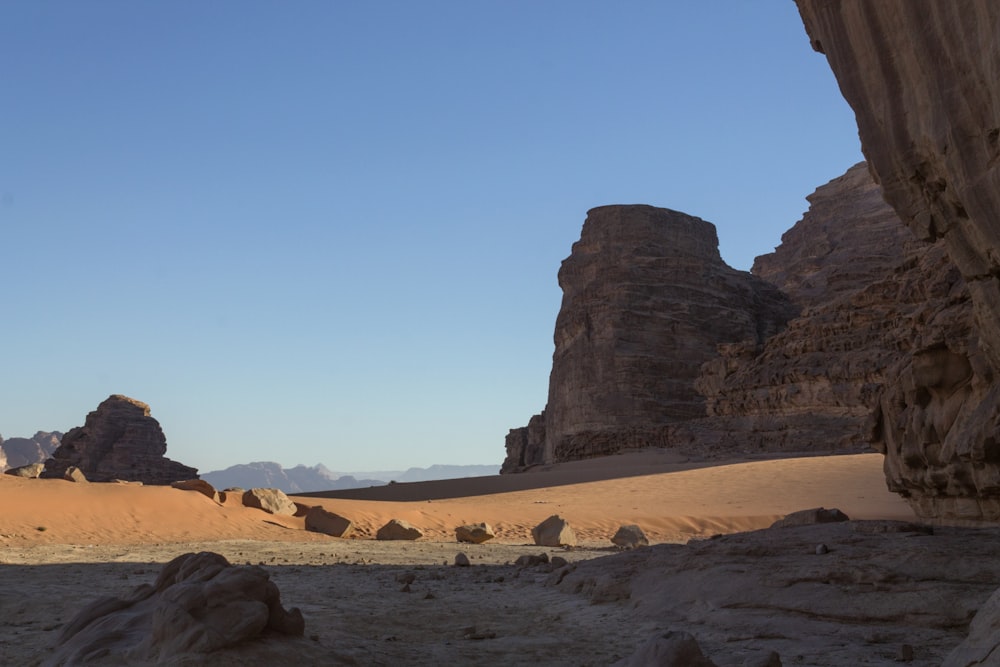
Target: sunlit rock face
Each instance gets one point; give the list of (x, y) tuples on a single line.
[(646, 301), (924, 82)]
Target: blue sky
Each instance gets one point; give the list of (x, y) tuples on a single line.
[(329, 231)]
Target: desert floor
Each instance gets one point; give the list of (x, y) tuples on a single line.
[(65, 544)]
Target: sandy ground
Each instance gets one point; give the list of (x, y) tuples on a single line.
[(64, 544)]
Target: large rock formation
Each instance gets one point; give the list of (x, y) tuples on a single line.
[(25, 451), (922, 80), (119, 440), (646, 301), (870, 293)]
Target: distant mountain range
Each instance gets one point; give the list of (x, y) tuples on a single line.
[(300, 479)]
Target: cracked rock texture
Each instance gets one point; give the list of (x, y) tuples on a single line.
[(923, 81)]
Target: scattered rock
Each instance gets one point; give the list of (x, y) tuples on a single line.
[(554, 532), (822, 549), (199, 604), (475, 533), (558, 561), (320, 520), (461, 560), (397, 529), (530, 560), (74, 474), (119, 440), (630, 537), (30, 471), (272, 501), (671, 649), (811, 516), (199, 485)]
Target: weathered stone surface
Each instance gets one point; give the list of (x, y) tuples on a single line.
[(982, 646), (397, 529), (329, 523), (750, 594), (922, 81), (814, 386), (31, 471), (199, 604), (199, 485), (119, 440), (554, 532), (646, 301), (811, 516), (630, 537), (669, 649), (475, 533), (25, 451), (272, 501)]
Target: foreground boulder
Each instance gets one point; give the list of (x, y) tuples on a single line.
[(199, 604), (397, 529), (554, 532), (475, 533), (119, 440), (271, 501)]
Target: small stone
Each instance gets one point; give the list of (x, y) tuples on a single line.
[(822, 549), (461, 560), (905, 653)]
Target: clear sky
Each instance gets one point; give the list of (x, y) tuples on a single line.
[(329, 231)]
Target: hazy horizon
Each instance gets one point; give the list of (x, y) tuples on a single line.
[(331, 231)]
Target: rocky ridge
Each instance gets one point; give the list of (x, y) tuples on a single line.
[(867, 293), (25, 451), (118, 441), (922, 82)]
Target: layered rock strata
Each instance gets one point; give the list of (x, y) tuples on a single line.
[(646, 301), (870, 293), (119, 440), (922, 80)]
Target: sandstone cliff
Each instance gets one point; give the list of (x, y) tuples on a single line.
[(922, 80), (119, 440), (646, 301)]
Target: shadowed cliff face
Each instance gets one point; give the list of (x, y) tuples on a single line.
[(923, 79), (646, 301)]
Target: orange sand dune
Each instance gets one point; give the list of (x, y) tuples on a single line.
[(670, 506)]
